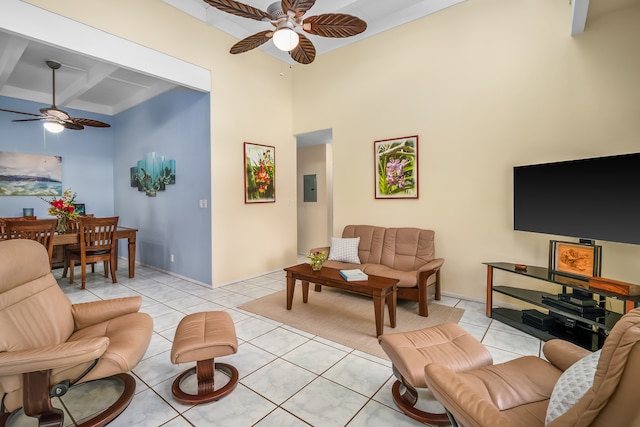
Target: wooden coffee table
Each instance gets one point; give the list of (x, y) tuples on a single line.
[(379, 288)]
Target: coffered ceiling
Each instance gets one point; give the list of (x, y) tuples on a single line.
[(90, 84)]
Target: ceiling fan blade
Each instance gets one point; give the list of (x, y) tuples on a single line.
[(55, 113), (88, 122), (20, 112), (337, 25), (251, 42), (239, 9), (305, 52), (299, 7), (74, 126), (30, 120)]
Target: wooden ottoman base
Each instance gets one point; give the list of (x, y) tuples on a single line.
[(205, 371), (406, 401)]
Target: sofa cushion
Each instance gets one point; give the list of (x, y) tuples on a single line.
[(572, 385), (344, 250), (407, 248), (371, 239), (407, 279)]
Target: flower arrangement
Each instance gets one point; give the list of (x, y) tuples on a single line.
[(63, 209), (317, 258)]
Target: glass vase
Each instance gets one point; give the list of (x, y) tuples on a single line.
[(62, 225), (316, 264)]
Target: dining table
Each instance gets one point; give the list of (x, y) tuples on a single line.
[(120, 233)]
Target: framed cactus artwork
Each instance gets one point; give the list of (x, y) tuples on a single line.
[(259, 173), (396, 167)]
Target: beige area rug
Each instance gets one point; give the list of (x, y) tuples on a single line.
[(347, 318)]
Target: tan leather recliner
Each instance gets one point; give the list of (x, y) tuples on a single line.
[(46, 341), (516, 393)]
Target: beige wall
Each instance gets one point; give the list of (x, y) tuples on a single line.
[(314, 218), (487, 84), (250, 101)]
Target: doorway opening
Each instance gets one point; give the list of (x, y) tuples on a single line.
[(315, 215)]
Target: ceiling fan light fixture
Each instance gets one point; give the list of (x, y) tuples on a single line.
[(53, 127), (286, 39)]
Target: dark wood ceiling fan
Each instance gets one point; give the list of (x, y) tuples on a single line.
[(287, 17), (53, 114)]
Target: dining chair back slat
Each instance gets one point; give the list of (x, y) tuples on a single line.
[(41, 230)]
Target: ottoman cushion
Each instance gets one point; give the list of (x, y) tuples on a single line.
[(447, 344), (204, 336)]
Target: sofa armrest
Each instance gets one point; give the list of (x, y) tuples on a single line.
[(94, 312), (469, 406), (55, 356), (562, 354), (432, 266)]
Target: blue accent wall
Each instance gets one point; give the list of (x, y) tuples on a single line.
[(174, 125), (96, 165), (87, 157)]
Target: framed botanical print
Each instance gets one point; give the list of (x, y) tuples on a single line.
[(259, 173), (396, 168)]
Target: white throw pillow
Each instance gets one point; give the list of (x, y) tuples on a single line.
[(344, 250), (572, 385)]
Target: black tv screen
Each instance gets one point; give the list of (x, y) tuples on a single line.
[(596, 198)]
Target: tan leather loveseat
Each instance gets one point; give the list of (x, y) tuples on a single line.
[(406, 254)]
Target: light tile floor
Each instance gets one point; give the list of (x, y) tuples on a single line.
[(287, 377)]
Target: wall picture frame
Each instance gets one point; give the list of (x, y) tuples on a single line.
[(259, 173), (26, 174), (575, 259), (396, 168), (80, 209)]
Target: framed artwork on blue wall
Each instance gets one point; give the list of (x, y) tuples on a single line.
[(153, 174), (30, 174)]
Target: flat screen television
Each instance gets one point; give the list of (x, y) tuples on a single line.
[(596, 198)]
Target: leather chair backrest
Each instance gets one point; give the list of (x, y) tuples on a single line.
[(371, 240), (34, 312), (407, 248), (613, 398)]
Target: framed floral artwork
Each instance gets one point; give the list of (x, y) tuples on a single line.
[(259, 173), (396, 165)]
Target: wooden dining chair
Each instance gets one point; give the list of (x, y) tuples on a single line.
[(97, 243), (5, 220), (41, 230)]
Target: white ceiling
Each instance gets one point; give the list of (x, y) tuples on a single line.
[(89, 84), (82, 82), (380, 15)]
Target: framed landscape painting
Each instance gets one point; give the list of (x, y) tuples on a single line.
[(259, 173), (30, 174), (396, 166)]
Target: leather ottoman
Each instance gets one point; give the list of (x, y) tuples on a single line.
[(410, 352), (200, 338)]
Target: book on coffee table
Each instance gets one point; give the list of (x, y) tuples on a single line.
[(353, 275)]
